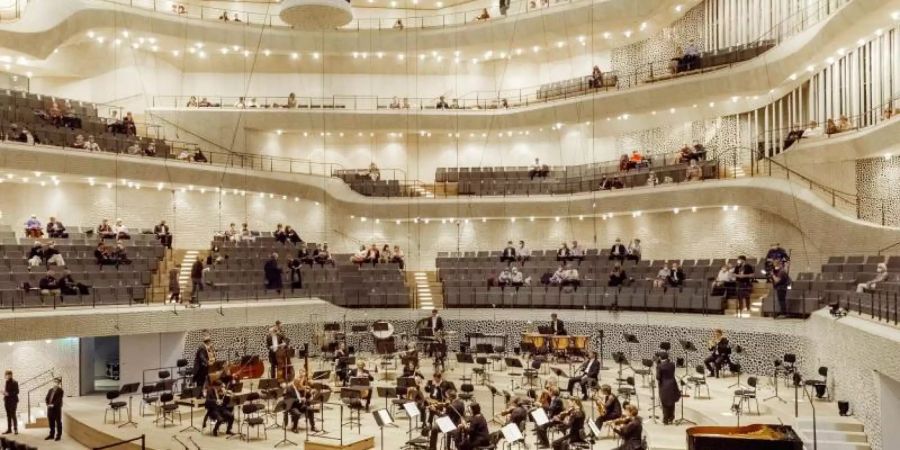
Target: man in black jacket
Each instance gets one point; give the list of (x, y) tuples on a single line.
[(218, 409), (509, 253), (618, 251), (273, 273), (555, 408), (477, 433), (162, 234), (201, 363), (10, 403), (274, 340), (669, 393), (589, 372), (54, 401), (743, 273), (676, 276), (557, 326)]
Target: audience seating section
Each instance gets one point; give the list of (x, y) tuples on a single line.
[(361, 182)]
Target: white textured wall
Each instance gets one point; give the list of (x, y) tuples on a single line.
[(139, 352), (27, 359)]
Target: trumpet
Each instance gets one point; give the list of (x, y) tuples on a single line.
[(601, 405)]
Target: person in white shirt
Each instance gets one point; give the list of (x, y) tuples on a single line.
[(240, 104), (571, 277), (812, 130), (505, 277), (360, 256), (517, 278), (661, 277), (397, 257), (576, 253), (558, 276), (634, 250), (121, 230), (880, 276), (523, 253)]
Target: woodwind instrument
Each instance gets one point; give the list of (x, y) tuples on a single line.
[(601, 405)]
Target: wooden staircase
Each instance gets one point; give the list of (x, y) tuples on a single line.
[(426, 291), (757, 295)]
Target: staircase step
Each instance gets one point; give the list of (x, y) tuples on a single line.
[(847, 424), (834, 436)]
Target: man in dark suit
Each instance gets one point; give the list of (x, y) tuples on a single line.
[(589, 372), (10, 402), (612, 407), (296, 398), (676, 276), (555, 408), (557, 326), (436, 323), (273, 273), (618, 251), (361, 372), (162, 234), (509, 253), (477, 433), (274, 339), (743, 273), (669, 393), (218, 409), (201, 363), (54, 401)]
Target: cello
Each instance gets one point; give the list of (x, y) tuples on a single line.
[(284, 368), (246, 367)]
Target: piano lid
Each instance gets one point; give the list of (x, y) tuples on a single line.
[(749, 437)]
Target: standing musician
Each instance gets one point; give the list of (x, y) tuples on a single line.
[(361, 372), (274, 340), (11, 402), (202, 362), (720, 351), (557, 326), (574, 417), (587, 374), (608, 406), (630, 429), (475, 429), (554, 411), (298, 394), (219, 408), (54, 402), (436, 325), (340, 363), (453, 408), (669, 393)]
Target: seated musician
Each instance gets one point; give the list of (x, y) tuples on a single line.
[(476, 430), (413, 394), (411, 370), (587, 375), (574, 420), (452, 407), (218, 408), (297, 397), (515, 413), (559, 329), (361, 372), (720, 352), (553, 411), (435, 388), (630, 429), (608, 405)]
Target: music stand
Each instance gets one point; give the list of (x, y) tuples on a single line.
[(630, 339), (445, 425), (775, 383), (681, 420), (386, 393), (686, 347), (464, 358), (514, 363), (620, 359), (412, 411), (383, 418), (190, 393), (494, 393), (129, 389), (600, 352), (512, 434), (284, 406)]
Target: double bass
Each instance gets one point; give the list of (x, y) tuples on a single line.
[(284, 368)]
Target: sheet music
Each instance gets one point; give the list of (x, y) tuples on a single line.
[(511, 433), (445, 424), (385, 416), (594, 430), (540, 417), (412, 410)]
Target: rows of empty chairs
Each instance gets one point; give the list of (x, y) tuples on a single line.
[(465, 278), (708, 60), (360, 181), (124, 284), (240, 276), (11, 444)]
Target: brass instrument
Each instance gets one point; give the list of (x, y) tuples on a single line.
[(211, 352), (601, 405)]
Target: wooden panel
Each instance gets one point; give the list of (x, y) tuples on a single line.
[(364, 443)]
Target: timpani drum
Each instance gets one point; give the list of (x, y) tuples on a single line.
[(581, 343), (560, 343)]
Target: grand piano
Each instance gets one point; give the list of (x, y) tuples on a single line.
[(749, 437)]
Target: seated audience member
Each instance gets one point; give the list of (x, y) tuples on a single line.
[(79, 142), (291, 234), (637, 159), (395, 103), (571, 277), (888, 113), (398, 25), (831, 127), (128, 123), (200, 157), (359, 257), (618, 251), (576, 253), (278, 234), (508, 255), (52, 256), (517, 278), (504, 278), (564, 253), (405, 103), (617, 276), (36, 254), (55, 114), (120, 255), (676, 63), (625, 163), (241, 103), (192, 102), (33, 227), (133, 148), (538, 170), (676, 276), (121, 230), (484, 15), (291, 101), (150, 150), (557, 278), (694, 172), (49, 285), (442, 104), (844, 124), (114, 124), (454, 104), (397, 257), (385, 254), (662, 277), (205, 103), (224, 16), (634, 250), (812, 130), (372, 255), (56, 229), (91, 144), (322, 256), (793, 136), (617, 183), (724, 282), (596, 78), (522, 253), (685, 155), (246, 234), (103, 255), (163, 235), (691, 58), (880, 276), (374, 172), (105, 230), (699, 151), (652, 180), (68, 285), (183, 155)]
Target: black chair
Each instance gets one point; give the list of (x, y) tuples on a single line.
[(699, 380), (148, 397), (114, 407), (743, 396), (646, 371), (253, 419), (628, 391), (820, 385), (168, 409), (467, 392)]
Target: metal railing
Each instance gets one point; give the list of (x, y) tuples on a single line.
[(141, 438), (38, 386), (877, 305)]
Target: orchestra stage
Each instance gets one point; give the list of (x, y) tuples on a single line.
[(84, 416)]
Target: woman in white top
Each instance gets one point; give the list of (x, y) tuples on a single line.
[(661, 276), (360, 256), (121, 230), (881, 275)]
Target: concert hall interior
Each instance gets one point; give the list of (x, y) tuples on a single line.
[(450, 224)]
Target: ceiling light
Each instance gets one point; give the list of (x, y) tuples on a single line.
[(725, 208), (90, 34), (518, 51), (117, 41), (606, 35), (678, 8), (154, 48), (643, 26), (560, 44), (879, 32), (380, 55), (202, 54), (278, 132), (440, 4), (895, 15), (829, 60), (841, 51), (580, 217), (294, 55), (861, 42), (401, 56), (393, 4), (676, 211), (512, 219), (693, 209), (224, 50), (100, 39), (535, 49), (653, 113), (315, 55), (711, 104), (671, 110), (810, 68), (734, 208), (125, 33), (734, 99), (627, 33)]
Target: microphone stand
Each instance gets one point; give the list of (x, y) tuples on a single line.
[(653, 415)]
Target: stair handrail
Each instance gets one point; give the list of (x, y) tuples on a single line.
[(46, 382), (895, 244)]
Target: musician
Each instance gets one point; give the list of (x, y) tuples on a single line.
[(743, 273), (413, 394), (274, 340), (476, 429), (340, 363), (553, 412), (608, 406), (669, 393), (557, 326), (454, 408), (515, 413), (435, 388), (720, 350), (436, 323), (410, 370), (297, 397), (574, 420), (361, 372), (201, 362), (54, 402), (11, 402), (630, 429), (218, 408), (587, 374)]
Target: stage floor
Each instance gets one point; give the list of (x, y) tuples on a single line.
[(85, 415)]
